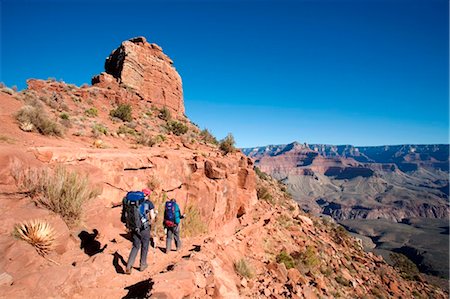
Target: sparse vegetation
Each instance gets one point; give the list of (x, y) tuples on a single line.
[(264, 194), (176, 127), (164, 114), (99, 129), (34, 118), (405, 266), (343, 281), (153, 183), (61, 191), (126, 130), (64, 116), (38, 233), (123, 112), (227, 144), (91, 112), (193, 224), (262, 175), (286, 259), (243, 268), (207, 137)]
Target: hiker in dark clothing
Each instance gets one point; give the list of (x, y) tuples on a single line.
[(141, 235), (172, 217)]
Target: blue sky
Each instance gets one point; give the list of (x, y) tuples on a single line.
[(362, 72)]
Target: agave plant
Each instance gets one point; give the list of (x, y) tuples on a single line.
[(38, 233)]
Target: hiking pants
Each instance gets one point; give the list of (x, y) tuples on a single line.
[(141, 241), (173, 232)]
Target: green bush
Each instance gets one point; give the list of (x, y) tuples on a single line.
[(286, 259), (207, 137), (33, 118), (64, 116), (176, 127), (126, 130), (61, 191), (243, 268), (91, 112), (408, 270), (227, 144), (164, 114), (123, 112), (99, 129)]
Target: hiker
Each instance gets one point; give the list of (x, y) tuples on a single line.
[(135, 209), (172, 217)]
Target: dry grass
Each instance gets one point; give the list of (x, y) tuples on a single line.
[(243, 268), (34, 118), (61, 191), (38, 233), (193, 225)]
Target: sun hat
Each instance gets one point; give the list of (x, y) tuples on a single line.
[(146, 191)]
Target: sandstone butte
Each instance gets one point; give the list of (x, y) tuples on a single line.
[(233, 214)]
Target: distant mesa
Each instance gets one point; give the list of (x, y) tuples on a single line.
[(144, 68)]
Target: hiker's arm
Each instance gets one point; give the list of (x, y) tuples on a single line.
[(152, 214)]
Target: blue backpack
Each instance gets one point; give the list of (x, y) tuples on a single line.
[(169, 214), (133, 211)]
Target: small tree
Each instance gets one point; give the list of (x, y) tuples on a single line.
[(227, 144)]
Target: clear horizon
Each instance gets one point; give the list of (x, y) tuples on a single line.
[(363, 73)]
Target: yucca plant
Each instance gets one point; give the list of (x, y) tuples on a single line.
[(38, 233)]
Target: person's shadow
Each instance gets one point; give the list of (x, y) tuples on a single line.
[(117, 258), (89, 243)]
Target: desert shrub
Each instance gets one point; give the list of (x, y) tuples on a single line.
[(148, 140), (65, 120), (207, 137), (227, 144), (286, 259), (164, 114), (61, 191), (153, 183), (91, 112), (126, 130), (261, 174), (33, 118), (243, 268), (405, 266), (99, 129), (284, 221), (123, 112), (64, 116), (343, 281), (176, 127), (38, 233), (193, 224), (264, 194), (307, 258)]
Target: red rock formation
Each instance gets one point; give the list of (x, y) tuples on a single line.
[(144, 68)]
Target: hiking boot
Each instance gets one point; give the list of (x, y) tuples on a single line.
[(143, 267), (127, 271)]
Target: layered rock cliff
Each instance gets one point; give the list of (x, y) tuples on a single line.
[(144, 68)]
